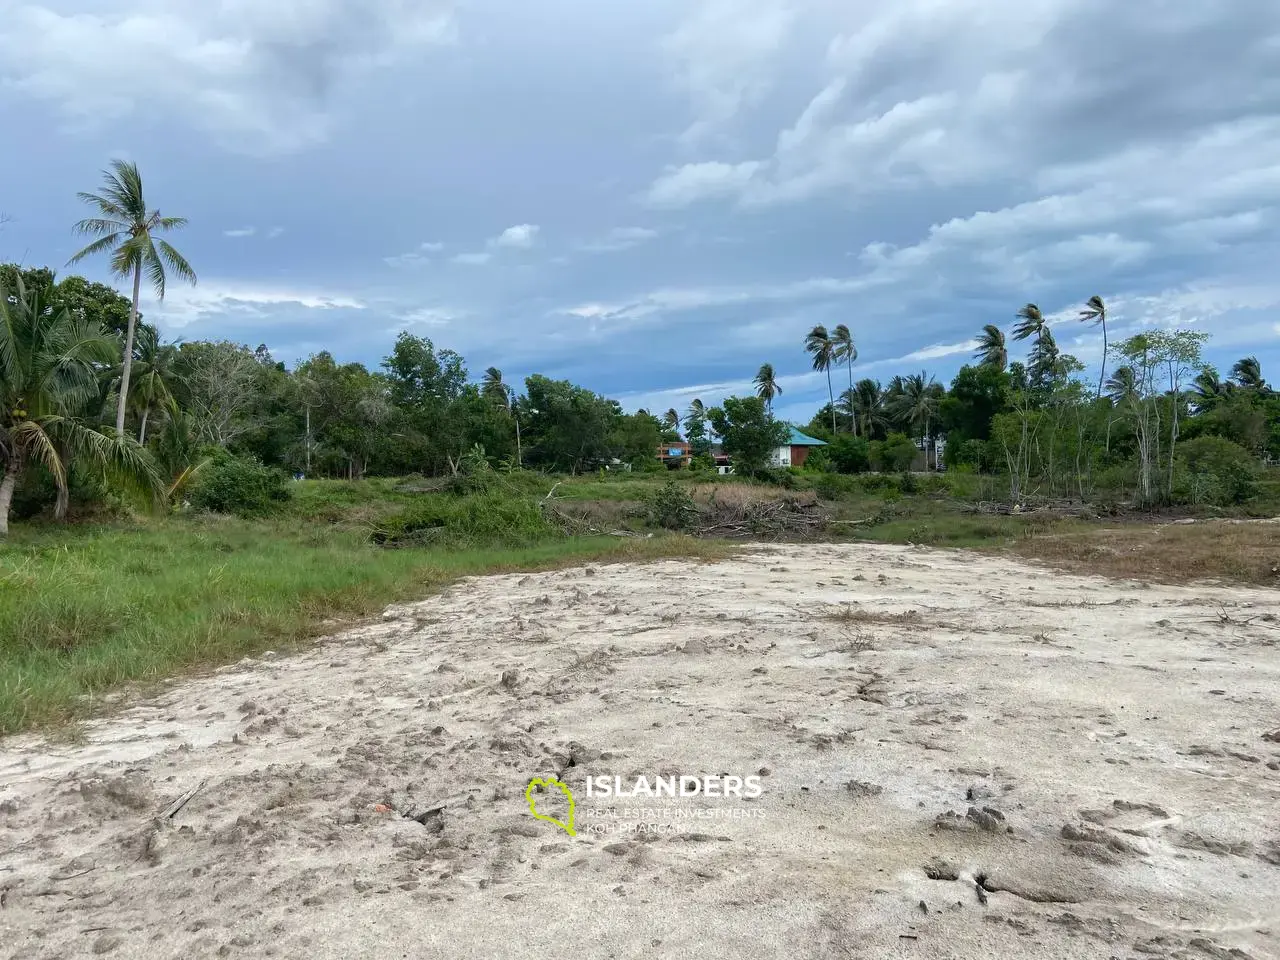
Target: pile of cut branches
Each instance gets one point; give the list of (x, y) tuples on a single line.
[(772, 518)]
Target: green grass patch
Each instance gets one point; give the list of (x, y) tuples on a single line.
[(84, 612)]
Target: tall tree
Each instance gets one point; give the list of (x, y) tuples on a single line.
[(127, 229), (1095, 311), (992, 350), (868, 404), (494, 388), (1030, 323), (1209, 389), (822, 348), (916, 405), (1247, 374), (846, 350), (670, 419), (749, 432), (49, 362), (767, 385)]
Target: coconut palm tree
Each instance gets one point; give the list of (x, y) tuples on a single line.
[(155, 368), (49, 363), (992, 349), (1031, 323), (1095, 312), (868, 405), (1247, 374), (1122, 385), (1043, 359), (767, 385), (846, 350), (671, 419), (916, 406), (1208, 389), (493, 387), (127, 229), (823, 349)]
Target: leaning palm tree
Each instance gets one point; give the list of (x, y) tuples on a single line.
[(1030, 323), (126, 228), (1247, 374), (767, 385), (823, 349), (1208, 389), (1042, 362), (992, 349), (846, 350), (493, 387), (49, 362), (1095, 311), (670, 419)]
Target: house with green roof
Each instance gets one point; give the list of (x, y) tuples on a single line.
[(796, 450)]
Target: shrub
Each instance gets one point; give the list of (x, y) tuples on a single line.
[(239, 485), (898, 453), (703, 466), (849, 454), (818, 461), (833, 486), (671, 507), (1215, 470)]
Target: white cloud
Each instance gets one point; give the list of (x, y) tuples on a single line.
[(620, 238), (274, 232), (240, 232), (424, 317), (681, 186), (520, 237), (255, 75), (473, 259), (186, 305), (721, 53), (939, 350)]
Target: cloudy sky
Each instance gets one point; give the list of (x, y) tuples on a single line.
[(654, 198)]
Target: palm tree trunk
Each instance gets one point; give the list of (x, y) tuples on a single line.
[(128, 348), (11, 471), (853, 417), (142, 430), (1103, 376), (832, 397)]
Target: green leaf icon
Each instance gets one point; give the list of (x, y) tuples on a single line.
[(532, 799)]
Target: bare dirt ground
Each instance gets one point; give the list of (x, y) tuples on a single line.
[(961, 756)]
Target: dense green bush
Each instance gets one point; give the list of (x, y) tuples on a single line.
[(1214, 470), (818, 461), (850, 454), (671, 507), (239, 485), (895, 454)]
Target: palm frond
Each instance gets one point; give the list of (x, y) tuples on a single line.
[(178, 263), (107, 206), (93, 249), (31, 436)]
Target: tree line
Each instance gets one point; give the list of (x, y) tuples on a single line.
[(92, 401), (1161, 427)]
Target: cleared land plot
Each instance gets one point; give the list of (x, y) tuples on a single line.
[(961, 755)]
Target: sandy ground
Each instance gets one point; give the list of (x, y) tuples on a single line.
[(977, 758)]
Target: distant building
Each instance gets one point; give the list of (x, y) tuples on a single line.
[(676, 455), (796, 450)]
